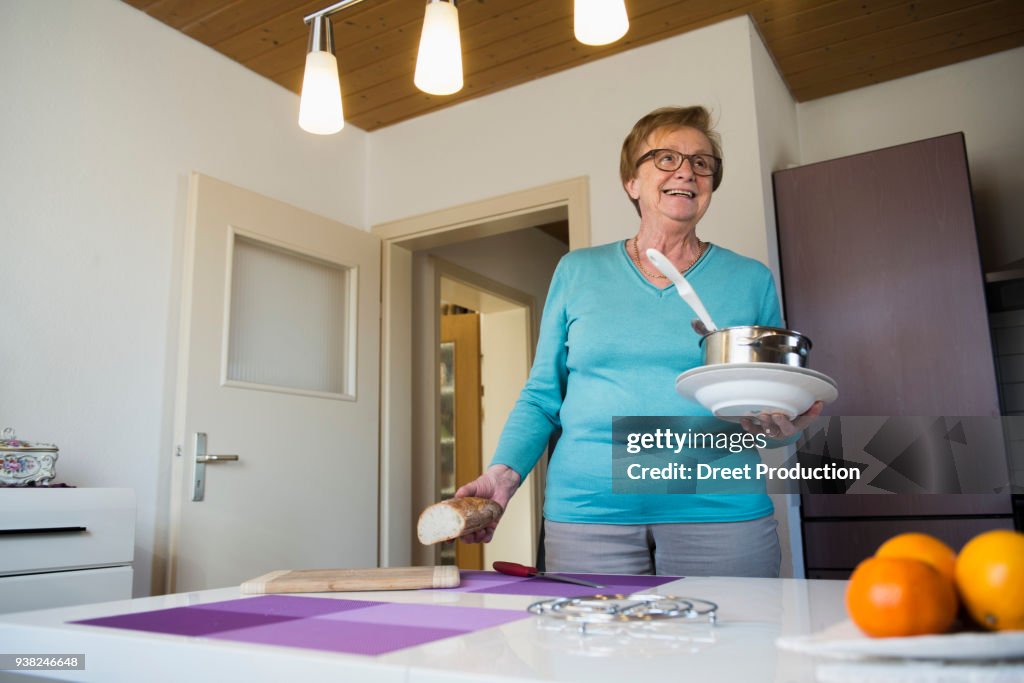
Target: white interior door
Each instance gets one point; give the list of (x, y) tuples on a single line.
[(279, 365)]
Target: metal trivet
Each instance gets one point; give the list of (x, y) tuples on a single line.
[(617, 608)]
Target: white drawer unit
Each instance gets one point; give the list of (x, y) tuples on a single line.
[(65, 546)]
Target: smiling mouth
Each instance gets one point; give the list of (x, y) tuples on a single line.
[(680, 193)]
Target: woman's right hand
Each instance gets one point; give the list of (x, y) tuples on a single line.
[(498, 483)]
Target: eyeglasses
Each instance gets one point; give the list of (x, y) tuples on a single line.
[(671, 160)]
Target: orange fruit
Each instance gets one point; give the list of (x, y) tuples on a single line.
[(921, 547), (990, 578), (899, 596)]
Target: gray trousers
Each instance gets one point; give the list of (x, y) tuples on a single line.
[(699, 549)]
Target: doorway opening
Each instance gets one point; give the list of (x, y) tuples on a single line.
[(411, 339), (486, 347)]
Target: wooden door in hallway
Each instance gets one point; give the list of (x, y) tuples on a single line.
[(460, 418)]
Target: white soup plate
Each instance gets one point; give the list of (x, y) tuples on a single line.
[(734, 390)]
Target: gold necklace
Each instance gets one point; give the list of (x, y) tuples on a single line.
[(701, 246)]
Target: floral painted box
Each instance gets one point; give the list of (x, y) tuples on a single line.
[(23, 463)]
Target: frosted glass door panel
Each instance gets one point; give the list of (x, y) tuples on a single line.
[(289, 322)]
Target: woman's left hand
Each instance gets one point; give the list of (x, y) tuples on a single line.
[(778, 426)]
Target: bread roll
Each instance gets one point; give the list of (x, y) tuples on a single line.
[(457, 517)]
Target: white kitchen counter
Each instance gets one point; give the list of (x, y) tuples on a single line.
[(752, 614)]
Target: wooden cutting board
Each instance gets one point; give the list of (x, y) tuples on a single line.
[(342, 580)]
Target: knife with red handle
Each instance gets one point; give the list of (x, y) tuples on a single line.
[(516, 569)]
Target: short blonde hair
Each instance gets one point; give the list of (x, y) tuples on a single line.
[(671, 118)]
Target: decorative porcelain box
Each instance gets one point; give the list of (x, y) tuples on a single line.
[(23, 462)]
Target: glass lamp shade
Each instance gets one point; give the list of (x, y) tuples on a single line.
[(320, 105), (439, 62), (599, 22)]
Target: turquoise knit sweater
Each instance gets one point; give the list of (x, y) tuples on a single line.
[(612, 344)]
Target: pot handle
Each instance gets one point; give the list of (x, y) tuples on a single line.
[(699, 327), (786, 348)]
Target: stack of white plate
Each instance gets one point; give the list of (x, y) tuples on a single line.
[(733, 390)]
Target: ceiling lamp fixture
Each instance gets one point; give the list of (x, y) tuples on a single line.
[(438, 66), (599, 22), (439, 61), (320, 104)]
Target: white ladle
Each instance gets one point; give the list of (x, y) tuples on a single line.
[(682, 286)]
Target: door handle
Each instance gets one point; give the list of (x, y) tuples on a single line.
[(215, 458), (199, 466)]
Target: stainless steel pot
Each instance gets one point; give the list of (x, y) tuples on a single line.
[(756, 344)]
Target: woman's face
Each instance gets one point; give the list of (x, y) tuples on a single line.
[(666, 195)]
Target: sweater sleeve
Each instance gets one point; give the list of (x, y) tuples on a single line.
[(535, 416), (771, 313)]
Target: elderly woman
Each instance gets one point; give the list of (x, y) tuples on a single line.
[(612, 339)]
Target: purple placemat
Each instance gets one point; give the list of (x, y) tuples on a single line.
[(351, 626), (493, 582)]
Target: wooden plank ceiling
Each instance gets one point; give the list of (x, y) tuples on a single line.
[(822, 47)]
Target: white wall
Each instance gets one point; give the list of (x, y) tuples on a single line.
[(572, 124), (983, 97), (524, 260), (502, 345), (504, 367), (778, 138), (105, 112), (778, 147)]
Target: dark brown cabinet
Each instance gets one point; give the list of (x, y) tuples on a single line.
[(880, 268)]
